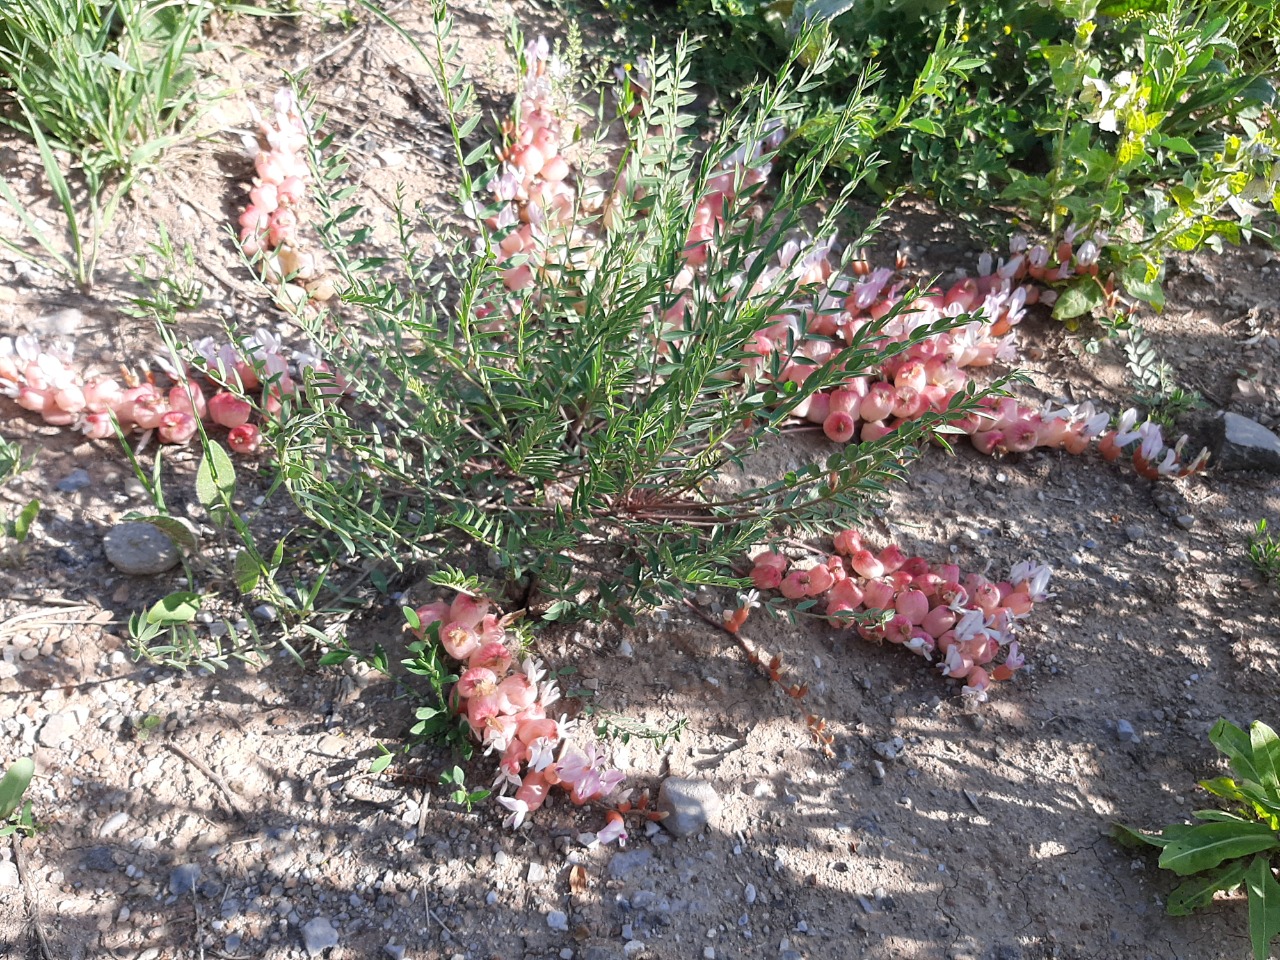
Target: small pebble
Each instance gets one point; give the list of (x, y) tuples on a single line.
[(558, 920)]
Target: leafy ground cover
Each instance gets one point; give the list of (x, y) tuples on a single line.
[(868, 807)]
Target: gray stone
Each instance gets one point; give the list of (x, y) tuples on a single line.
[(8, 874), (318, 935), (113, 823), (628, 862), (139, 548), (58, 729), (689, 805), (265, 612), (1244, 444), (183, 878), (77, 479), (100, 859), (558, 920), (1135, 532), (1125, 731), (394, 951)]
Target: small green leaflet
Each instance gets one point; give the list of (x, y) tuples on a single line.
[(1078, 300), (22, 525), (175, 608), (14, 785), (216, 478), (247, 572)]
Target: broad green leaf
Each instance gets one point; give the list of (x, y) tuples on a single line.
[(14, 785), (1264, 906), (1266, 754), (216, 477), (335, 657), (1209, 844), (1129, 837), (411, 618), (1236, 746), (925, 125), (381, 763), (22, 525), (1198, 892), (247, 572), (1224, 787), (1219, 816), (180, 607), (1079, 299)]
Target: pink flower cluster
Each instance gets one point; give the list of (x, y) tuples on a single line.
[(44, 381), (966, 620), (269, 225), (532, 183), (505, 704)]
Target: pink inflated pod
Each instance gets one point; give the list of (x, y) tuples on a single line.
[(245, 439), (1052, 432), (555, 169), (848, 542), (839, 427), (795, 585), (459, 640), (988, 442), (148, 406), (1018, 603), (819, 580), (35, 399), (866, 564), (819, 408), (912, 374), (1022, 436), (187, 397), (984, 595), (765, 577), (928, 584), (835, 608), (1075, 442), (916, 566), (953, 595), (898, 629), (977, 685), (428, 614), (877, 595), (468, 610), (874, 430), (846, 400), (490, 629), (836, 564), (493, 655), (922, 643), (910, 403), (177, 426), (938, 620), (97, 425), (515, 693), (913, 605), (954, 664), (879, 401), (102, 394), (963, 293), (477, 682), (846, 592), (892, 559)]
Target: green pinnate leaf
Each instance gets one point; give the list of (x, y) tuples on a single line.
[(216, 477)]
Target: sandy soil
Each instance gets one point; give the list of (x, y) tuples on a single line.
[(242, 811)]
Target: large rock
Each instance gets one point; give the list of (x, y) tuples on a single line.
[(689, 805), (1244, 444), (139, 548), (319, 935)]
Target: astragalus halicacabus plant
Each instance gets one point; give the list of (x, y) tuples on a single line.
[(562, 380)]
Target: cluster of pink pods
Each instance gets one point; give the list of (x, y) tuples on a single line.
[(532, 184), (45, 382), (967, 621), (505, 705), (269, 225)]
